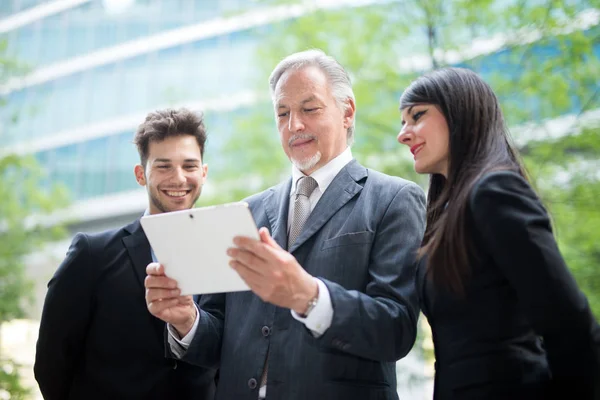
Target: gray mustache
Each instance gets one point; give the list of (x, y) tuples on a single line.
[(303, 136)]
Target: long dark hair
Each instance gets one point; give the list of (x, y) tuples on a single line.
[(479, 143)]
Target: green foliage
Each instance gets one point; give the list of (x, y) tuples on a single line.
[(22, 231), (10, 384), (20, 234), (567, 172)]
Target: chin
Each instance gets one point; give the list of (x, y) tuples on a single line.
[(307, 163), (422, 170)]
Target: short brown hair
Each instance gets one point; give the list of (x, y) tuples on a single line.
[(162, 124)]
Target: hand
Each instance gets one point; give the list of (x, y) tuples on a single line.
[(164, 301), (272, 273)]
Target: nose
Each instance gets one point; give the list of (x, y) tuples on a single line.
[(179, 176), (405, 136), (295, 123)]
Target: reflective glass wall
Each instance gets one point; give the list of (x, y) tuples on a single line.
[(100, 62)]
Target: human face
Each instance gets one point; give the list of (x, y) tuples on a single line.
[(174, 174), (312, 127), (425, 131)]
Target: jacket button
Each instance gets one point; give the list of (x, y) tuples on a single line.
[(175, 365), (252, 383), (266, 331)]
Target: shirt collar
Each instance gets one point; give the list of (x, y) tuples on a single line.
[(324, 175)]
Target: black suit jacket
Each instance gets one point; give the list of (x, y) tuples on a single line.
[(97, 339), (360, 240), (522, 330)]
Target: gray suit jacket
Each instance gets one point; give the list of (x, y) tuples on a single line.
[(361, 240)]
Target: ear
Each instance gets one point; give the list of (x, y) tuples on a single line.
[(204, 172), (349, 112), (140, 175)]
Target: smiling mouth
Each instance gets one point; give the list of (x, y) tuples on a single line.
[(176, 193), (416, 149), (301, 142)]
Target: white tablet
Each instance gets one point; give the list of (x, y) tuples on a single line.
[(192, 245)]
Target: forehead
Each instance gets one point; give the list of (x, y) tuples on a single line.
[(175, 147), (297, 84)]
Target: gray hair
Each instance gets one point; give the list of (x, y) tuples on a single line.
[(339, 80)]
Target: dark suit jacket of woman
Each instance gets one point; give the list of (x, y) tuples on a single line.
[(522, 329)]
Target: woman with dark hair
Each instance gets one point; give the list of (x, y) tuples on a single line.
[(507, 317)]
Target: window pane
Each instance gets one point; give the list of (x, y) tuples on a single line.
[(93, 168), (123, 157), (65, 168)]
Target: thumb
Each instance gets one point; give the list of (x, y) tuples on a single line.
[(266, 237), (155, 269)]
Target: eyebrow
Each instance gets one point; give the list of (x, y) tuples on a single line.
[(168, 160), (307, 100)]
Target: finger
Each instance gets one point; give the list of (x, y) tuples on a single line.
[(266, 237), (250, 276), (155, 269), (158, 308), (254, 246), (186, 300), (246, 258), (159, 282), (161, 294)]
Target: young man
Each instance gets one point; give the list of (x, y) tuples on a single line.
[(97, 339)]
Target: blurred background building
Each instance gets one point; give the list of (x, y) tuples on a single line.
[(95, 68)]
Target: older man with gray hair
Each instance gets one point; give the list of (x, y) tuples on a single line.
[(332, 304)]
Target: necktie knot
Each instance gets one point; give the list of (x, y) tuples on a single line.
[(306, 185)]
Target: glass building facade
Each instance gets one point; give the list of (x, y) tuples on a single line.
[(97, 67)]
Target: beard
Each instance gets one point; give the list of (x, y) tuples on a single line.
[(304, 164), (307, 163)]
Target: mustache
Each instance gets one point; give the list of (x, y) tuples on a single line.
[(302, 136)]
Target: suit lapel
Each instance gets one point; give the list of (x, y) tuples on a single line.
[(343, 188), (276, 207), (140, 255), (138, 248)]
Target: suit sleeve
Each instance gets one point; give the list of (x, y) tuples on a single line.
[(205, 348), (65, 319), (515, 229), (381, 324)]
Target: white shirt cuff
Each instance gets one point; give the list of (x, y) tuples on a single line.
[(319, 319), (180, 345)]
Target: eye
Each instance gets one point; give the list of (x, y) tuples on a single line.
[(191, 167), (310, 109), (162, 167), (283, 114), (418, 115)]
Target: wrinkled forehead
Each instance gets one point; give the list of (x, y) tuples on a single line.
[(297, 84)]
